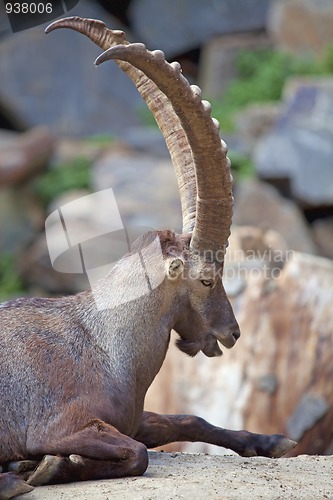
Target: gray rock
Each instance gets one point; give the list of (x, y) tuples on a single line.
[(178, 26), (146, 140), (145, 188), (259, 204), (310, 409), (323, 236), (300, 146), (4, 21), (51, 79), (255, 121), (301, 26)]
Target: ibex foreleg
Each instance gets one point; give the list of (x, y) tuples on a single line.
[(158, 430), (12, 485), (98, 451)]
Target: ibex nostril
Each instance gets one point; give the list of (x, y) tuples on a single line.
[(236, 335)]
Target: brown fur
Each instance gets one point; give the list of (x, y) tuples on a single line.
[(73, 378)]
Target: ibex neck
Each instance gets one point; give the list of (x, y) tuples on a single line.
[(134, 335)]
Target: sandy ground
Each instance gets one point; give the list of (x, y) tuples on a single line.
[(198, 476)]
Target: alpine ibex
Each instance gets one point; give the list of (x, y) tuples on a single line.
[(73, 377)]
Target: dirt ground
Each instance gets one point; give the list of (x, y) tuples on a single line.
[(198, 476)]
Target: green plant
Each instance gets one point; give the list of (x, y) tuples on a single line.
[(242, 166), (74, 174), (261, 78), (10, 281), (99, 139)]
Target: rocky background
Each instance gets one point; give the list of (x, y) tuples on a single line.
[(69, 129)]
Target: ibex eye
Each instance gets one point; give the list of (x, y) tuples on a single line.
[(206, 282)]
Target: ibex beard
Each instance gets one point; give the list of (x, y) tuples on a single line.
[(74, 376)]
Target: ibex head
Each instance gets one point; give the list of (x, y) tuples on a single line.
[(193, 260)]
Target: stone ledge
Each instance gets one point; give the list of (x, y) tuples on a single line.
[(181, 475)]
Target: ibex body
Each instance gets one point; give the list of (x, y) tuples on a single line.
[(73, 376)]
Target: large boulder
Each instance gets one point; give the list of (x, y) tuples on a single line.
[(300, 146), (51, 79), (145, 188), (323, 236), (277, 379), (301, 26), (259, 204), (176, 27)]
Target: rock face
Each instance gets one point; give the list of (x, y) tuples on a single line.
[(259, 204), (301, 26), (323, 236), (42, 75), (145, 187), (300, 147), (277, 379), (176, 27)]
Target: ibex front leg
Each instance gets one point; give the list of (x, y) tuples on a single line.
[(158, 430), (98, 451)]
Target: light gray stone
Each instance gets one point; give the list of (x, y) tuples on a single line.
[(300, 146), (146, 140), (323, 236), (145, 188), (177, 26), (310, 409)]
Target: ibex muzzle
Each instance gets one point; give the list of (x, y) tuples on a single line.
[(73, 377)]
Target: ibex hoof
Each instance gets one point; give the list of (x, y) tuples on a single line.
[(12, 485), (282, 445), (22, 466), (46, 470), (267, 445)]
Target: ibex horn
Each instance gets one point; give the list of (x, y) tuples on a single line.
[(198, 132), (158, 104)]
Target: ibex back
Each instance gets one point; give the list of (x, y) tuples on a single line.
[(73, 376)]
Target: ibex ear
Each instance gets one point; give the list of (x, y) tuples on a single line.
[(175, 268)]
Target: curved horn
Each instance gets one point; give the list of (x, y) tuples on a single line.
[(158, 104), (214, 181)]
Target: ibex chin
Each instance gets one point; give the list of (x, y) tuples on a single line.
[(73, 377)]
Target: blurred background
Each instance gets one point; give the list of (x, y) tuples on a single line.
[(68, 129)]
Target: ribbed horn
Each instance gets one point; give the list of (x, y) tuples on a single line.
[(214, 181), (158, 104)]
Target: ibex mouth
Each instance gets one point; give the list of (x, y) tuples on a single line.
[(211, 346), (227, 340)]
